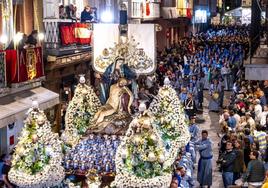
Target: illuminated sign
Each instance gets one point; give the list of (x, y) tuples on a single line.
[(200, 16)]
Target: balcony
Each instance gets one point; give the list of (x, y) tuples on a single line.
[(140, 10), (173, 12), (23, 69), (56, 29)]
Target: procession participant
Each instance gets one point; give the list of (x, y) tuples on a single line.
[(204, 174), (189, 106), (214, 103)]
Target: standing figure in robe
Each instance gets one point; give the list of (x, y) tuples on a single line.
[(113, 72), (204, 174), (214, 91)]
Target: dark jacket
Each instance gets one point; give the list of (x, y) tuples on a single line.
[(86, 16), (255, 171), (239, 161), (228, 161)]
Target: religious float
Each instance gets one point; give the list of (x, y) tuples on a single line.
[(94, 141), (170, 120), (110, 144), (140, 160), (80, 113), (38, 154)]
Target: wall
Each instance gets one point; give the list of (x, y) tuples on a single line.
[(6, 133)]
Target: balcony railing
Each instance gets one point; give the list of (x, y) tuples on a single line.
[(184, 12), (55, 45), (139, 10)]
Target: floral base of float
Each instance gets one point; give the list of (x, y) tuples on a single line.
[(141, 156), (38, 155), (170, 121), (80, 112)]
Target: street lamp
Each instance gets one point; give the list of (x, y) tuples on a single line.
[(3, 41), (41, 36)]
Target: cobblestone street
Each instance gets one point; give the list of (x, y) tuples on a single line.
[(209, 121)]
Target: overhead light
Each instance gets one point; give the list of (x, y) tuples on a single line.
[(107, 17), (3, 39), (18, 37), (227, 7), (41, 36)]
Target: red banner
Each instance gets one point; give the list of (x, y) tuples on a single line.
[(67, 36), (24, 65), (76, 33)]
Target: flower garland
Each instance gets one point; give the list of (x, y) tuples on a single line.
[(141, 156), (170, 120), (38, 155), (80, 112)]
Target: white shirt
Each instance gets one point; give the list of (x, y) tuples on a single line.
[(258, 111), (263, 118)]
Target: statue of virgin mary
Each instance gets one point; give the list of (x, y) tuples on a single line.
[(118, 69)]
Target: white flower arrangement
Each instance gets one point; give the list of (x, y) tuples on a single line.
[(126, 177), (36, 135), (171, 121), (79, 114)]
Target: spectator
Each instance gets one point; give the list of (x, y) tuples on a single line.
[(86, 14), (239, 164), (228, 160), (5, 170), (255, 173), (71, 12), (2, 162), (32, 39), (62, 13)]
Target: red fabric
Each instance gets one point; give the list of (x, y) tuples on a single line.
[(16, 62), (11, 65), (188, 13), (11, 140), (67, 34), (86, 38), (148, 12), (22, 75), (39, 63)]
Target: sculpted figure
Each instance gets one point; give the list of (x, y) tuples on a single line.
[(116, 101)]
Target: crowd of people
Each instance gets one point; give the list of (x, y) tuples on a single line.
[(243, 147), (213, 60), (210, 60), (89, 14)]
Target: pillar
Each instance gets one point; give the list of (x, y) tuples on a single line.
[(28, 16)]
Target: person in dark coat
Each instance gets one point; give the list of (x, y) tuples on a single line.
[(32, 38), (86, 14), (239, 164), (228, 160)]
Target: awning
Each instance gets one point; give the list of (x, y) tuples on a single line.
[(15, 106)]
